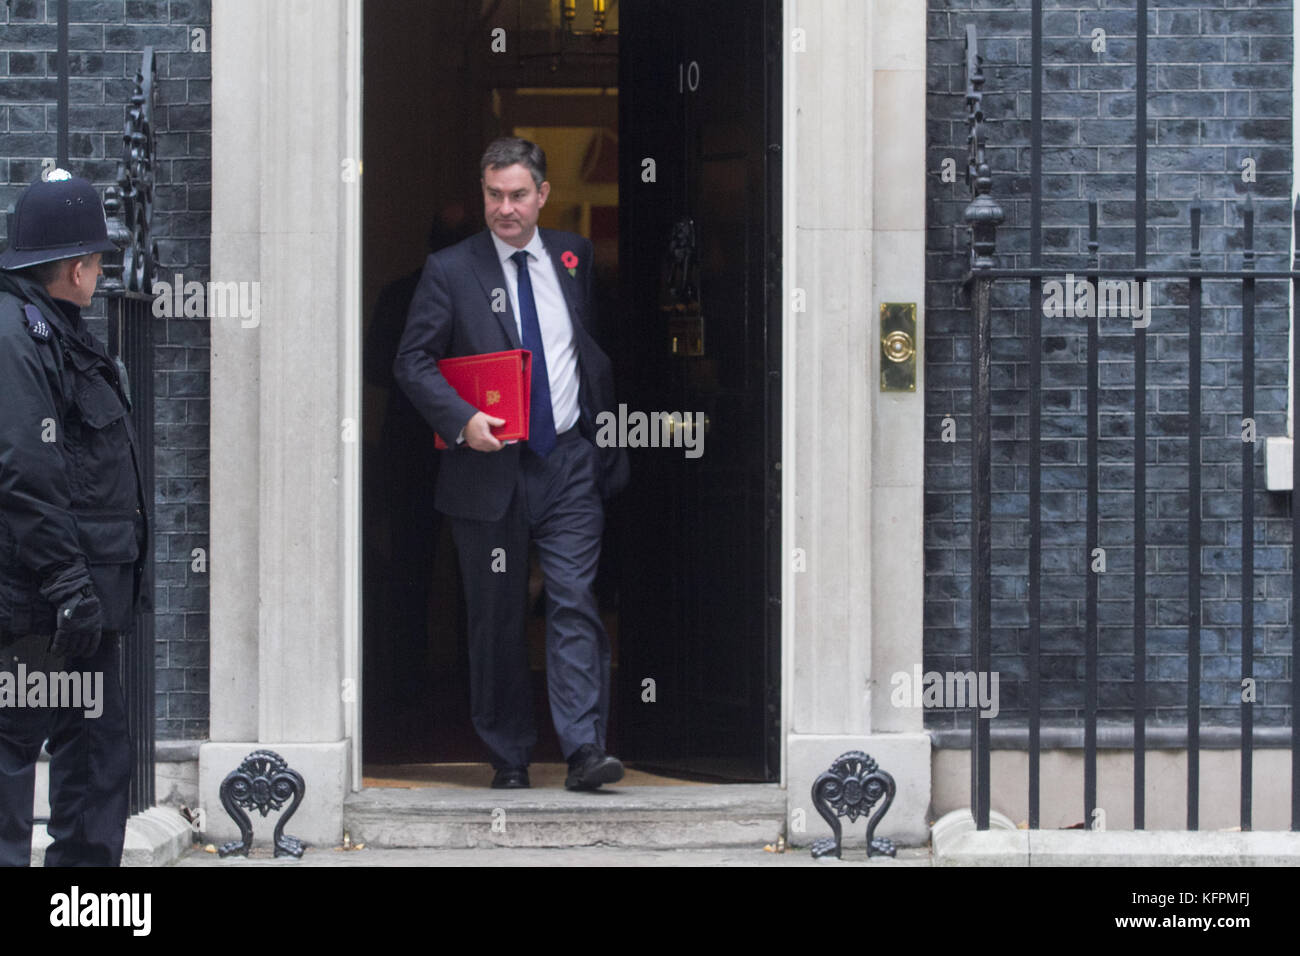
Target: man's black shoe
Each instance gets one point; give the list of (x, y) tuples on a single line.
[(590, 766), (511, 778)]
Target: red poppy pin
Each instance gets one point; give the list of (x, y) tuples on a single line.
[(570, 262)]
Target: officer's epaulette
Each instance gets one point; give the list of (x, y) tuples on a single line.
[(36, 324)]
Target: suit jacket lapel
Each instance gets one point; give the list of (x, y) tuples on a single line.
[(568, 284), (488, 271)]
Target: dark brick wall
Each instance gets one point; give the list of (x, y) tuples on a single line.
[(1219, 89), (106, 38)]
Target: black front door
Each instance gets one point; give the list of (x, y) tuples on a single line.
[(698, 333)]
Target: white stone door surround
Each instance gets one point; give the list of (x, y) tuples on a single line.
[(285, 547)]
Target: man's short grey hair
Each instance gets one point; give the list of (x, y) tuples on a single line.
[(508, 150), (45, 273)]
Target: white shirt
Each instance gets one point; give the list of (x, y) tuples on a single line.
[(556, 324)]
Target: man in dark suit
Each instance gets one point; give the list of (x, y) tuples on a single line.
[(517, 286)]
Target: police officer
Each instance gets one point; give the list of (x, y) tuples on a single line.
[(73, 533)]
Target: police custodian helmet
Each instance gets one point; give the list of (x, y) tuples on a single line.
[(58, 217)]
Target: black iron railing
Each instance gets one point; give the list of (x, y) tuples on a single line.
[(130, 339), (983, 215), (129, 310)]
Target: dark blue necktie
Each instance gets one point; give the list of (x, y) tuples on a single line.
[(541, 416)]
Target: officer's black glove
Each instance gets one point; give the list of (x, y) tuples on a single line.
[(80, 624)]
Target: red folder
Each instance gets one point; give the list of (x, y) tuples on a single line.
[(499, 383)]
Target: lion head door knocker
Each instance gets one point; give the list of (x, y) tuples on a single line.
[(679, 290), (263, 782), (850, 788)]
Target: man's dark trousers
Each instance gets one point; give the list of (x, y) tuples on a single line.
[(556, 502), (90, 764)]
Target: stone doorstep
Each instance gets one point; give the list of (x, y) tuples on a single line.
[(550, 857), (999, 847), (742, 815), (157, 836)]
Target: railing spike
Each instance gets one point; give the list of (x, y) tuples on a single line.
[(1196, 233), (1295, 227), (1094, 241), (1248, 250)]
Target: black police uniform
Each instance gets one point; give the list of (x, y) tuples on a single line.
[(72, 514)]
